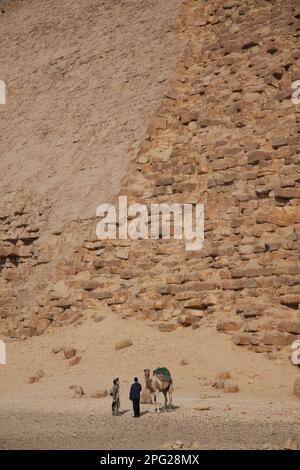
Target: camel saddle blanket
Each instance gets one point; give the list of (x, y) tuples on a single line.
[(163, 374)]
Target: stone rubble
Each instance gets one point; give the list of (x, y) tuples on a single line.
[(77, 391)]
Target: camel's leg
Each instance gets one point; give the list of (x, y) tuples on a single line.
[(170, 399), (166, 400), (158, 407), (154, 400)]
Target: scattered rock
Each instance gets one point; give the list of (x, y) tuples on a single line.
[(57, 350), (100, 394), (75, 360), (219, 384), (99, 318), (231, 388), (37, 376), (33, 379), (78, 391), (224, 375), (183, 362), (69, 352), (124, 343)]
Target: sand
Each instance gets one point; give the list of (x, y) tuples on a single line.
[(263, 414)]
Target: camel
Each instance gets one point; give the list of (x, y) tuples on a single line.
[(156, 386)]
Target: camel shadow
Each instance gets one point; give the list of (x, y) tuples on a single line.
[(169, 410), (123, 412)]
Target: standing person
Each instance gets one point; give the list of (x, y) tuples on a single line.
[(135, 395), (115, 394)]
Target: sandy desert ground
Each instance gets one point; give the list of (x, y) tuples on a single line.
[(44, 415)]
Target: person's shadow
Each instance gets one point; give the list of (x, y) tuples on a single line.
[(145, 412)]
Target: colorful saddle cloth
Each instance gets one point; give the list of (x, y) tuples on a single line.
[(164, 374)]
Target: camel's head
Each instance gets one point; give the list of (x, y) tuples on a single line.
[(147, 373)]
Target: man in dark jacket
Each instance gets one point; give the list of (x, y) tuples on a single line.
[(135, 394)]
